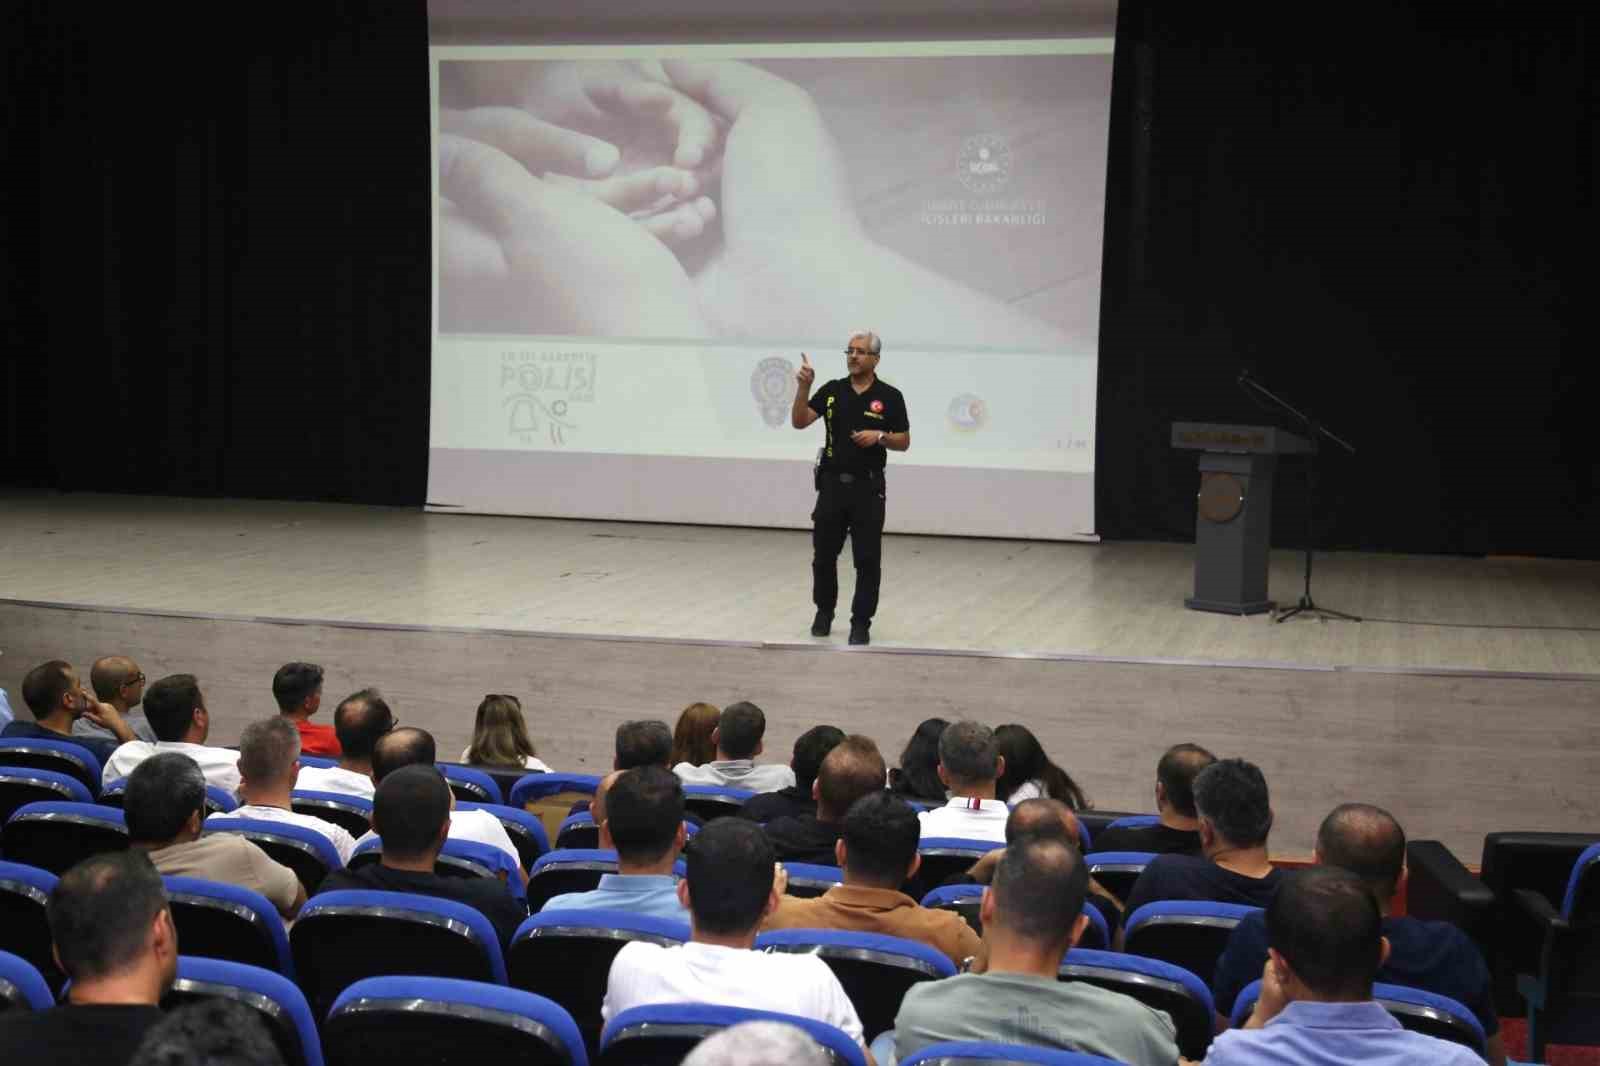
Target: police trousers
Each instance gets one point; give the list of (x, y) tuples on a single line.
[(853, 505)]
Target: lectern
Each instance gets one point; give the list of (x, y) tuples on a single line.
[(1233, 529)]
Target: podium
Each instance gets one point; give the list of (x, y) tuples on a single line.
[(1233, 526)]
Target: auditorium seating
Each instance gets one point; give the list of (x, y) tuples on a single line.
[(429, 1021), (1422, 1012), (709, 802), (1183, 932), (944, 857), (1563, 992), (1117, 870), (961, 1053), (218, 921), (342, 937), (458, 858), (1097, 821), (875, 970), (22, 785), (578, 831), (549, 797), (274, 997), (471, 784), (57, 836), (663, 1033), (966, 900), (305, 851), (566, 956), (353, 814), (22, 986), (578, 870), (218, 801), (61, 756), (808, 880), (526, 832), (24, 893), (1181, 994)]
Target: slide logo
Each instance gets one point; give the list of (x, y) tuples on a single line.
[(539, 389), (772, 384), (967, 413), (985, 163)]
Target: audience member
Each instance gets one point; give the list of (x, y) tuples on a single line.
[(1029, 772), (411, 813), (55, 696), (500, 736), (1178, 832), (1032, 914), (269, 754), (644, 742), (1325, 947), (165, 809), (809, 751), (1433, 956), (969, 766), (917, 777), (298, 689), (177, 712), (358, 721), (759, 1044), (408, 746), (691, 739), (730, 889), (640, 814), (115, 941), (1231, 798), (853, 769), (117, 680), (738, 741), (209, 1032), (878, 853)]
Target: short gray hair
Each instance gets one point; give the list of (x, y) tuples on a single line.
[(968, 751), (758, 1044), (874, 342), (268, 750)]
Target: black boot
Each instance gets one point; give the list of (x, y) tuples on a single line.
[(822, 625), (858, 631)]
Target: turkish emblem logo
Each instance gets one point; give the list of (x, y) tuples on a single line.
[(877, 407)]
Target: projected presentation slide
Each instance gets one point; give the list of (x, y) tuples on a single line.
[(634, 246)]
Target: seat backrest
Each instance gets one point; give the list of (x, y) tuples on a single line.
[(559, 872), (433, 1019), (807, 880), (958, 1053), (61, 756), (1135, 821), (341, 937), (875, 970), (470, 783), (709, 802), (526, 832), (22, 986), (663, 1033), (1098, 821), (219, 921), (1541, 862), (1183, 932), (321, 762), (1163, 986), (56, 836), (549, 797), (1419, 1011), (353, 814), (281, 1005), (578, 831), (1117, 870), (944, 857), (24, 895), (1581, 902), (967, 900), (305, 851), (566, 955), (468, 858), (218, 800), (22, 785)]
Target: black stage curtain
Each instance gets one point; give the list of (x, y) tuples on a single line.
[(1383, 210), (218, 249)]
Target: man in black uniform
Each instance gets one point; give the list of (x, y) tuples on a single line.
[(864, 418)]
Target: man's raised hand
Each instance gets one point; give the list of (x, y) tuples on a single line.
[(806, 374)]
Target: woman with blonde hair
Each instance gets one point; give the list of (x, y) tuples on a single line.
[(691, 740), (500, 736)]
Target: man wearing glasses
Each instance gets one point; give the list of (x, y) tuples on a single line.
[(864, 419), (117, 680)]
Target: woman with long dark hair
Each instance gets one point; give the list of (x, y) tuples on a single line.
[(917, 776), (1029, 771), (691, 740)]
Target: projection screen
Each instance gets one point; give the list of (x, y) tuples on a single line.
[(634, 244)]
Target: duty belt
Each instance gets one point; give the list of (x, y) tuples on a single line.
[(846, 478)]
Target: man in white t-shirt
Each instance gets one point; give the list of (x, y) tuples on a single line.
[(730, 889), (269, 754), (738, 739), (360, 720), (969, 765), (409, 746), (176, 711)]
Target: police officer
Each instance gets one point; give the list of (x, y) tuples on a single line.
[(864, 419)]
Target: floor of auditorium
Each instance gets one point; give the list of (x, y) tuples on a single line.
[(1116, 601)]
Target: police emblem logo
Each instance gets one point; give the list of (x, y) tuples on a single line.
[(985, 163), (772, 385), (967, 413)]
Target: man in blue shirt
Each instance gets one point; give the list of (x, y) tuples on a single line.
[(640, 814), (1325, 945), (1433, 956)]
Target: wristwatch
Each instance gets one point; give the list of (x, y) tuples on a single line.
[(881, 435)]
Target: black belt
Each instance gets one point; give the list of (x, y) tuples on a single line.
[(846, 478)]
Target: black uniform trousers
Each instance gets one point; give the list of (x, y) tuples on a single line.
[(853, 507)]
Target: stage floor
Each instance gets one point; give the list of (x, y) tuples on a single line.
[(1120, 601)]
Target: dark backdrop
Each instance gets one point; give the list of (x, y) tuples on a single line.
[(217, 258)]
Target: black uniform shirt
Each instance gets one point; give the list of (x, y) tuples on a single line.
[(843, 412)]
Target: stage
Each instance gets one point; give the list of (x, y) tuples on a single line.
[(1466, 702)]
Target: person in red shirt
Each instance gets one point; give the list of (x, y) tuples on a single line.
[(298, 689)]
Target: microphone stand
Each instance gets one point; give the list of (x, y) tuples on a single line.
[(1314, 430)]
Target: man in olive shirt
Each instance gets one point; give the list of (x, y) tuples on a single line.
[(1032, 914), (114, 937)]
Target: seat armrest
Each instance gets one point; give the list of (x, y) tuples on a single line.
[(1440, 889), (1528, 905)]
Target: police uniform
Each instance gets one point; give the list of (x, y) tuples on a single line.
[(850, 490)]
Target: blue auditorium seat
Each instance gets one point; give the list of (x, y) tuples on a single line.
[(578, 831), (808, 880), (24, 931), (875, 970), (434, 1021), (663, 1033), (943, 858), (61, 756), (471, 784), (531, 788), (310, 854), (275, 998), (526, 832), (22, 785), (1117, 870), (22, 986), (57, 836), (1181, 994), (1419, 1011), (1563, 994), (708, 802), (958, 1053), (966, 900), (218, 800), (353, 814), (321, 762), (1185, 933), (220, 921), (458, 858)]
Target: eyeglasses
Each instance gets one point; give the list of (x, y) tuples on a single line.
[(134, 680), (857, 351)]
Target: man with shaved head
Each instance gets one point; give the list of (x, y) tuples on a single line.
[(117, 680), (640, 814), (1434, 956)]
